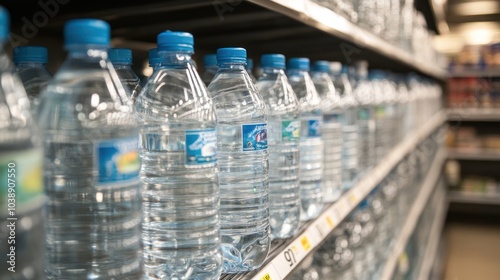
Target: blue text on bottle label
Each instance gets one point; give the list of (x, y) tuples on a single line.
[(254, 137), (313, 129), (118, 160), (201, 146)]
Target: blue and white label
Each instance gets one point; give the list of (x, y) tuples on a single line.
[(313, 129), (201, 147), (118, 160), (254, 137)]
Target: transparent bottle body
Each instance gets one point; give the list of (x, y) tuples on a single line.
[(209, 74), (21, 171), (180, 192), (284, 154), (35, 78), (93, 211), (311, 144), (129, 80), (243, 172), (332, 136), (366, 125)]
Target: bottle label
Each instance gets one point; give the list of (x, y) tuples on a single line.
[(313, 129), (380, 111), (21, 180), (118, 160), (364, 114), (201, 147), (332, 118), (254, 137), (290, 130)]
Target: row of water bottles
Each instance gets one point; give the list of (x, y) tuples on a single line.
[(359, 247), (169, 179)]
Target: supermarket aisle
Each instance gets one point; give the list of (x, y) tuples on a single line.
[(473, 252)]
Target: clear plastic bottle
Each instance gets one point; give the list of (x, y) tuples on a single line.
[(364, 254), (91, 163), (283, 140), (21, 195), (31, 66), (250, 69), (243, 163), (122, 62), (210, 62), (366, 119), (350, 140), (334, 258), (180, 192), (311, 144), (331, 131)]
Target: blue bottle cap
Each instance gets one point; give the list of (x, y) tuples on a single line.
[(363, 204), (120, 56), (322, 66), (30, 54), (345, 69), (153, 56), (249, 64), (4, 24), (299, 63), (87, 32), (377, 74), (175, 41), (273, 61), (210, 60), (238, 55)]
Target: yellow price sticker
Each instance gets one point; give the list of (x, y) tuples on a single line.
[(353, 198), (329, 221), (305, 243), (266, 277)]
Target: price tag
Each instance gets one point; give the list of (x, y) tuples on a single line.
[(329, 222), (304, 241), (353, 199), (267, 273)]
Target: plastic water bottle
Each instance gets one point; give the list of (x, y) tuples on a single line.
[(311, 144), (335, 256), (243, 163), (350, 139), (366, 119), (364, 252), (283, 139), (331, 131), (122, 61), (210, 62), (250, 69), (31, 66), (180, 194), (153, 58), (91, 163), (21, 195)]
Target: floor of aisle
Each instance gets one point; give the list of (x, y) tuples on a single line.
[(472, 251)]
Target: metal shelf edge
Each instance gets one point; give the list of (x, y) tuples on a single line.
[(328, 21), (280, 266), (474, 114), (475, 198), (415, 212), (433, 242), (458, 154)]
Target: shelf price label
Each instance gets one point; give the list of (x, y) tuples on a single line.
[(266, 277), (292, 255), (304, 241), (267, 273), (329, 222)]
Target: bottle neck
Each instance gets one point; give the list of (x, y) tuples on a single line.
[(122, 65), (272, 71), (27, 65), (174, 59), (87, 52), (237, 66)]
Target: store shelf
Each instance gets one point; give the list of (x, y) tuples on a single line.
[(328, 21), (473, 154), (429, 257), (286, 255), (464, 197), (474, 114), (416, 210), (484, 73)]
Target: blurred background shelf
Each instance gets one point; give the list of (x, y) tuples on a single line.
[(474, 114), (481, 73), (473, 154), (465, 197)]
